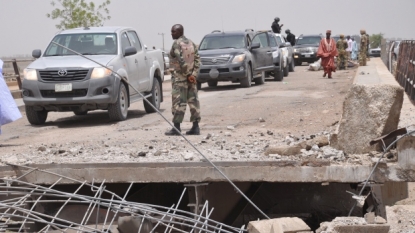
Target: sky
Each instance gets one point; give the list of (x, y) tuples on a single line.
[(24, 25)]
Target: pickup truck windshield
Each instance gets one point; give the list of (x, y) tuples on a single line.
[(85, 43), (223, 42), (308, 40)]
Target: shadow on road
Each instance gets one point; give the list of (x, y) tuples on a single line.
[(226, 87), (96, 118)]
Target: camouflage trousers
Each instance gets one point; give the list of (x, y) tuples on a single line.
[(362, 58), (342, 60), (183, 94)]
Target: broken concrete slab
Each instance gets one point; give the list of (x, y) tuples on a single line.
[(320, 141), (278, 225), (406, 152), (369, 111), (284, 150), (351, 224)]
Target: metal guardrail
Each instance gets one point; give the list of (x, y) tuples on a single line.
[(405, 70), (16, 70)]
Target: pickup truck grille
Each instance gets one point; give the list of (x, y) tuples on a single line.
[(62, 76), (221, 70), (73, 93), (305, 50), (214, 60)]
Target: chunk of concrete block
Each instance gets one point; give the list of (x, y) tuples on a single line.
[(262, 226), (351, 224), (278, 225), (406, 152), (284, 150), (369, 111), (370, 217), (363, 229)]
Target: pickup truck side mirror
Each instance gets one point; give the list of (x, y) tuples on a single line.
[(288, 44), (130, 50), (255, 45), (36, 53)]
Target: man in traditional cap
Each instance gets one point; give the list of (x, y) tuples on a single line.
[(327, 51)]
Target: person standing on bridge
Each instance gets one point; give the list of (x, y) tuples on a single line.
[(276, 28), (290, 37), (327, 51), (363, 48), (185, 62), (355, 50), (342, 47), (9, 111)]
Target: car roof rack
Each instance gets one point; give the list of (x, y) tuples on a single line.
[(214, 31)]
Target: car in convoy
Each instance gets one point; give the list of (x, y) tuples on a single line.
[(305, 49), (238, 57), (288, 52), (61, 80), (279, 58), (374, 52), (395, 53), (166, 61)]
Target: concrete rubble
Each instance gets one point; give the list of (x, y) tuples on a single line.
[(278, 225), (369, 111), (352, 224)]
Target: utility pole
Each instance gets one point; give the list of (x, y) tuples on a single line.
[(162, 36)]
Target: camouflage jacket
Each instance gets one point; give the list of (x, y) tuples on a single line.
[(363, 42), (180, 64), (341, 45)]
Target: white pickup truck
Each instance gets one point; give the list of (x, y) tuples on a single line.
[(60, 80)]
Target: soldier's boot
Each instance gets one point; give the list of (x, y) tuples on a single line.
[(195, 130), (173, 132)]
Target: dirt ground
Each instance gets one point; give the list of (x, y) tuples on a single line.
[(237, 124)]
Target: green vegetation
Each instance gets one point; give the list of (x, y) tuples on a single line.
[(79, 13), (375, 40)]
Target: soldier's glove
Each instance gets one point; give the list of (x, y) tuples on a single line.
[(191, 79)]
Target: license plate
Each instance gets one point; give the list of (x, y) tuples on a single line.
[(307, 55), (63, 87)]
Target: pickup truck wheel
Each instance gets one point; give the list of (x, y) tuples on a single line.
[(212, 83), (155, 97), (292, 65), (260, 80), (278, 74), (286, 70), (80, 113), (199, 85), (36, 117), (119, 110), (246, 82)]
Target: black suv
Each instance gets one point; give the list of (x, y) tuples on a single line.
[(239, 56), (305, 49)]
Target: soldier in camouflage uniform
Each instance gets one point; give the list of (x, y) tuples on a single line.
[(185, 63), (363, 48), (342, 57)]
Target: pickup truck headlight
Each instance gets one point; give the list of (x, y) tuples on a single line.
[(239, 58), (30, 74), (101, 72)]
